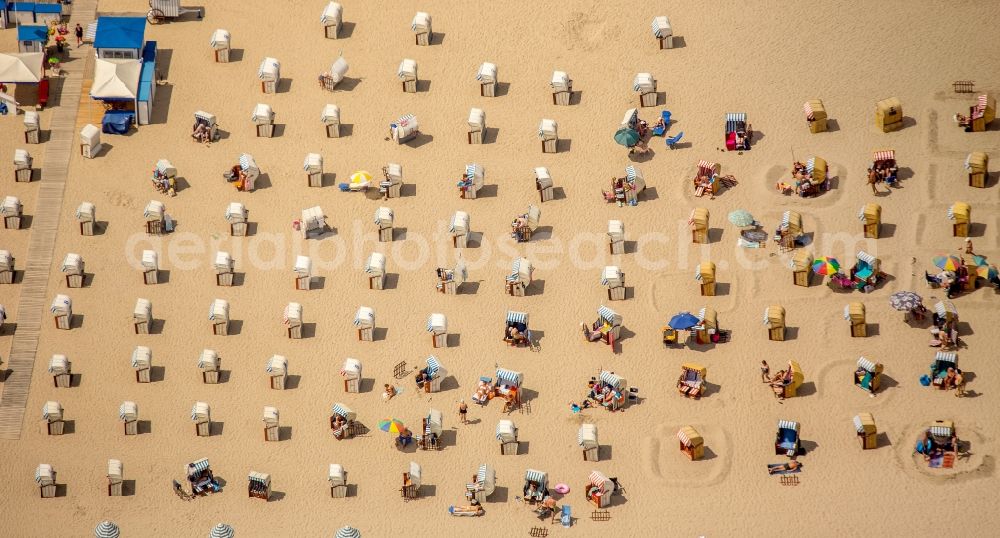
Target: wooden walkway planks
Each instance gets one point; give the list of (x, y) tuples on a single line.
[(32, 306)]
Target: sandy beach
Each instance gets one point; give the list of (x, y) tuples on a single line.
[(765, 60)]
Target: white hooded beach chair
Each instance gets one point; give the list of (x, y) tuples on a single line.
[(32, 127), (616, 236), (645, 86), (459, 229), (45, 477), (270, 420), (259, 485), (392, 181), (224, 269), (519, 279), (543, 184), (635, 182), (586, 438), (155, 215), (116, 478), (86, 215), (332, 19), (61, 371), (165, 168), (412, 481), (22, 166), (72, 267), (338, 481), (142, 316), (263, 118), (484, 486), (347, 418), (477, 126), (221, 44), (375, 269), (128, 413), (61, 308), (472, 181), (313, 222), (142, 363), (236, 216), (293, 320), (437, 325), (303, 272), (663, 33), (6, 268), (506, 434), (407, 73), (384, 219), (364, 321), (612, 318), (90, 141), (330, 118), (619, 385), (209, 363), (250, 169), (487, 77), (449, 280), (313, 165), (201, 415), (562, 88), (430, 437), (524, 225), (435, 373), (208, 120), (52, 417), (404, 129), (218, 317), (421, 27), (548, 133), (613, 279), (351, 372), (277, 371), (536, 483), (600, 490), (338, 71), (269, 74), (12, 212), (150, 262)]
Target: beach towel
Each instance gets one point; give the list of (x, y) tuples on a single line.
[(784, 471), (866, 383), (936, 461)]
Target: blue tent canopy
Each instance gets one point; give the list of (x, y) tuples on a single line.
[(32, 33), (147, 72), (48, 8), (120, 33)]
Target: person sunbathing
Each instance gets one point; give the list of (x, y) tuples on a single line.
[(389, 392), (405, 437), (784, 467), (514, 336), (591, 334), (483, 392)]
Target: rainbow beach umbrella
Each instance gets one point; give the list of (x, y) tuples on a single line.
[(391, 425), (947, 263), (826, 266), (989, 272), (361, 178)]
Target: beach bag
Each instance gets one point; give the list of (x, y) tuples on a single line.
[(925, 380)]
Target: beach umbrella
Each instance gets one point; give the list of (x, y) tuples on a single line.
[(107, 529), (391, 425), (826, 266), (989, 272), (361, 178), (683, 321), (627, 137), (348, 532), (979, 260), (947, 263), (222, 531), (741, 218), (905, 300)]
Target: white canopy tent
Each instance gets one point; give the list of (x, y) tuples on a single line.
[(116, 79), (22, 67)]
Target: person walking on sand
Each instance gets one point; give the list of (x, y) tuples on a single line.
[(463, 411), (765, 372), (79, 34), (968, 246)]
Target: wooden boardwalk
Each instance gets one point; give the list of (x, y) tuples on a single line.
[(32, 311)]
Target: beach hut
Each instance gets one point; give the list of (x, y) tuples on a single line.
[(432, 375), (738, 131), (86, 215), (430, 438), (977, 165), (483, 484), (404, 129), (786, 441), (90, 141), (815, 115), (868, 375), (303, 272), (142, 316), (364, 320), (115, 478), (332, 19), (608, 324), (519, 279), (351, 372), (705, 275), (437, 325), (866, 272), (269, 74), (30, 37), (338, 482), (449, 280), (616, 236), (61, 308), (142, 363), (864, 425), (626, 190), (128, 413), (524, 225), (663, 33), (459, 229), (645, 86), (980, 115), (72, 266), (774, 320), (330, 118), (855, 313), (270, 419), (506, 434), (209, 363), (224, 269), (708, 326), (155, 216), (618, 390), (586, 438), (218, 317), (692, 444), (201, 415), (52, 414), (870, 216), (789, 230), (6, 268), (613, 279), (205, 120), (164, 169), (221, 45), (699, 225), (421, 27), (536, 486), (599, 490), (487, 77), (707, 176), (946, 311), (263, 118), (543, 184), (889, 115), (384, 219), (791, 382), (548, 132), (375, 269), (293, 320), (508, 386), (259, 486), (943, 361), (407, 73), (22, 166), (817, 173), (313, 222), (472, 181), (801, 265), (477, 126), (45, 477), (342, 421), (249, 172), (32, 127), (338, 71), (277, 371), (150, 267), (12, 212), (61, 371), (562, 88), (392, 183), (516, 328), (236, 216), (412, 481), (313, 166), (960, 213), (692, 380), (106, 529)]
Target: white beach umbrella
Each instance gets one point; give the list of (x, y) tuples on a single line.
[(348, 532), (107, 529), (222, 531)]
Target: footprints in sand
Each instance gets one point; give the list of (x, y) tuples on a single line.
[(588, 32), (667, 466), (120, 199)]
